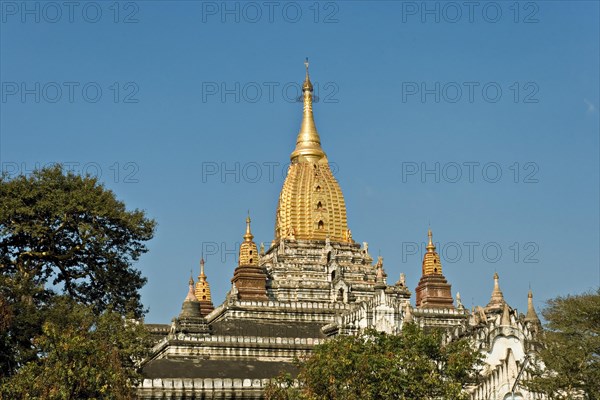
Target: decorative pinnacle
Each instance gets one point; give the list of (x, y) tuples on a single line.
[(307, 83), (430, 246), (202, 267), (459, 303), (531, 314), (248, 236), (380, 274), (505, 320), (308, 143), (497, 296), (191, 296)]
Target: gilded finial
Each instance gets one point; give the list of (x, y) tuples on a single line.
[(248, 236), (202, 267), (432, 264), (430, 246), (308, 143), (248, 254), (307, 83), (202, 291)]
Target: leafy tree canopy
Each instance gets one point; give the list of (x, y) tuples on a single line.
[(62, 233), (374, 365), (569, 366), (83, 356)]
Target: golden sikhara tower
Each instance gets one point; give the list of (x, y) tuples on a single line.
[(311, 204), (433, 290), (202, 291), (249, 279)]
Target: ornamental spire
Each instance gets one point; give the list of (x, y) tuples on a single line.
[(497, 299), (202, 292), (308, 144), (459, 304), (190, 306), (191, 296), (307, 83), (248, 252), (531, 314), (380, 274), (430, 246), (433, 290), (432, 264), (248, 236), (497, 293)]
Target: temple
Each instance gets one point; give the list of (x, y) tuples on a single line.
[(315, 282)]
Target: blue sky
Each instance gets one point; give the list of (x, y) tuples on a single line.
[(482, 123)]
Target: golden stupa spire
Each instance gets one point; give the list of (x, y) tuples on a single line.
[(202, 290), (248, 236), (307, 83), (430, 246), (432, 264), (308, 144), (202, 274), (248, 251), (311, 203)]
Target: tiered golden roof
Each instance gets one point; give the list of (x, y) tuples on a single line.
[(311, 204), (248, 250), (431, 260), (202, 290)]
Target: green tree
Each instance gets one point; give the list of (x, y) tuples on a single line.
[(62, 233), (568, 364), (83, 356), (374, 365)]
